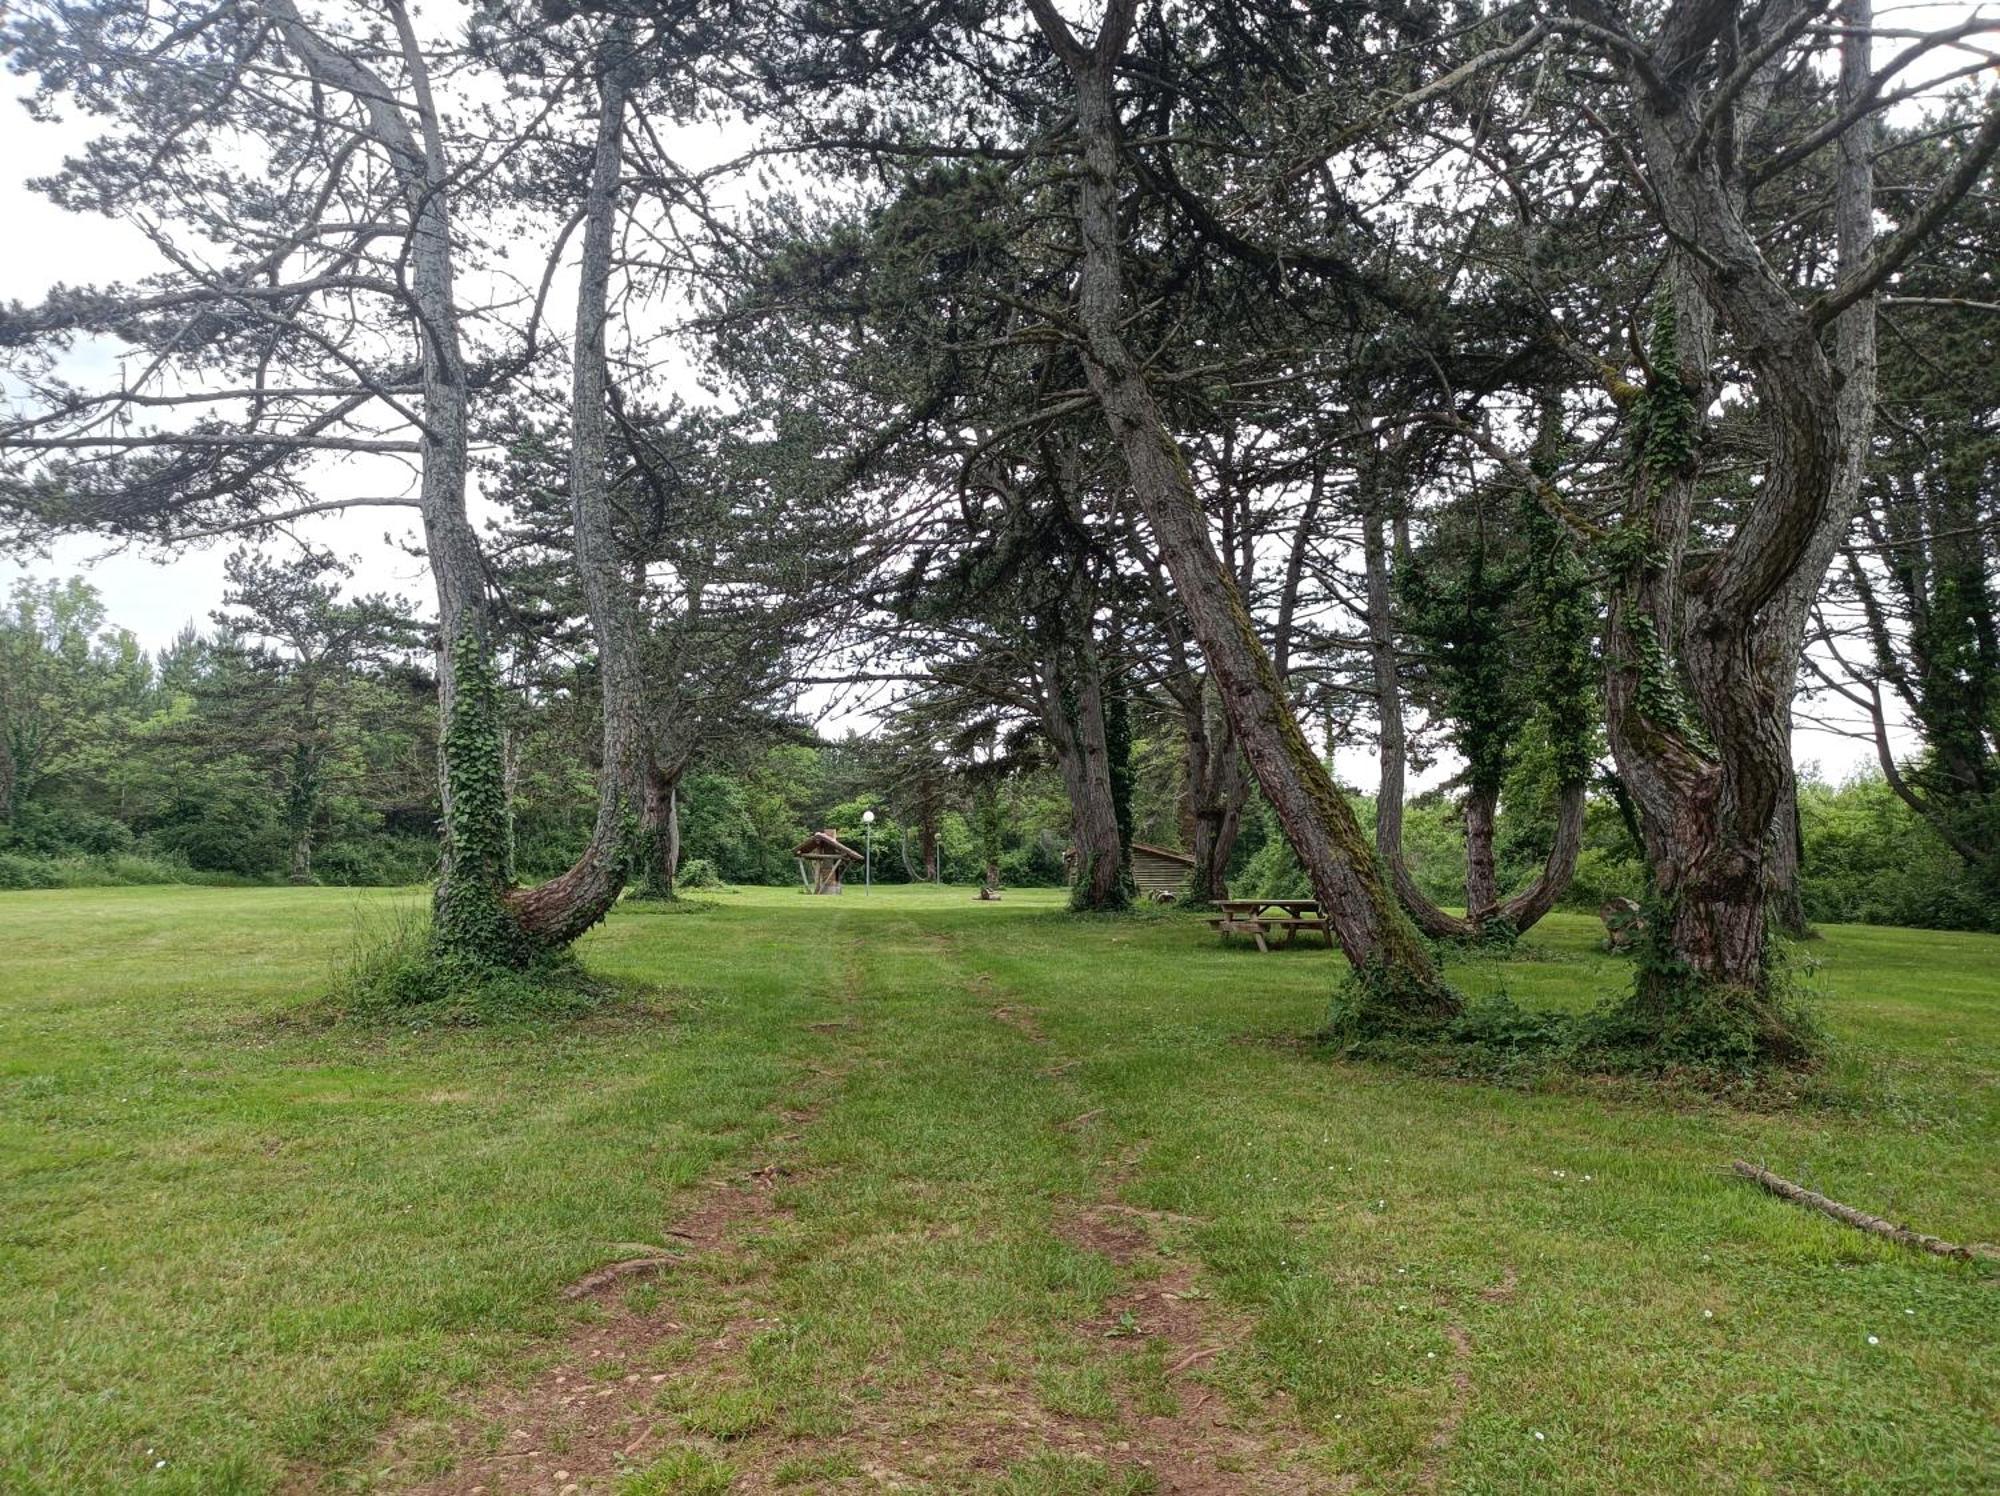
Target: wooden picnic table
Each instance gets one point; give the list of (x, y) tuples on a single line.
[(1250, 917), (1252, 908)]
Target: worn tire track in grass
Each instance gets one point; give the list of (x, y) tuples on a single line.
[(1102, 1364), (584, 1418)]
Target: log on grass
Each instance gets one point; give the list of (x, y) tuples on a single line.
[(1859, 1219)]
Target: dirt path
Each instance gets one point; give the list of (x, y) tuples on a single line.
[(612, 1399)]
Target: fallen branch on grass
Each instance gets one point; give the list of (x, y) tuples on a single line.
[(1859, 1219)]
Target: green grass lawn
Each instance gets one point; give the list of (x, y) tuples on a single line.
[(1046, 1205)]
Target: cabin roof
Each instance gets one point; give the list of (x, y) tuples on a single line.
[(825, 844), (1181, 857)]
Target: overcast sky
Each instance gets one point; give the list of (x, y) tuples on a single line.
[(155, 598)]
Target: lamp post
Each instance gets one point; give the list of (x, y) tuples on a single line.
[(868, 852)]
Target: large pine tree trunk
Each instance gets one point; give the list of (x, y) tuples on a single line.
[(1318, 822), (1073, 718), (1482, 895), (558, 911), (471, 922)]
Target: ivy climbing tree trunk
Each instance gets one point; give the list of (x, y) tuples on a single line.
[(1319, 824), (1561, 668), (470, 919), (1701, 666)]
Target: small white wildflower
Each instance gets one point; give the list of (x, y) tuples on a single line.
[(1430, 1355), (1539, 1434), (1872, 1340), (159, 1464), (1909, 1311), (1708, 1314)]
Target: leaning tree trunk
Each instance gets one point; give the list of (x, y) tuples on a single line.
[(558, 911), (1318, 822)]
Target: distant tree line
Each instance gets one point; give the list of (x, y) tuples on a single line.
[(292, 741)]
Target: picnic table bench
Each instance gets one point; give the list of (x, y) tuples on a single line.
[(1255, 918)]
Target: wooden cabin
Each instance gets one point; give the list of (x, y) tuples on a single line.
[(823, 859), (1158, 874)]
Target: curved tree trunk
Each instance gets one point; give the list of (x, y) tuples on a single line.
[(1318, 822), (1855, 364), (1482, 902), (560, 910), (1527, 907)]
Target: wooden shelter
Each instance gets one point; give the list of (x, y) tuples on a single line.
[(1158, 874), (823, 859)]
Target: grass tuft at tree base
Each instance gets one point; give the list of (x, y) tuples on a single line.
[(396, 976)]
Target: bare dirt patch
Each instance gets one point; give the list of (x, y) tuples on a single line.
[(584, 1418), (1176, 1422), (1021, 1021)]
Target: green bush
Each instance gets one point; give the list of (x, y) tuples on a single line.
[(40, 830), (127, 869), (697, 872)]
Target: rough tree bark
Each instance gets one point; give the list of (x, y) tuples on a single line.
[(1855, 368), (556, 912), (1072, 709), (1318, 822), (1697, 695), (469, 918), (659, 856)]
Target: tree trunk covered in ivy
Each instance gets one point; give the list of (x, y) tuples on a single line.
[(470, 920), (1318, 822), (1560, 672)]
